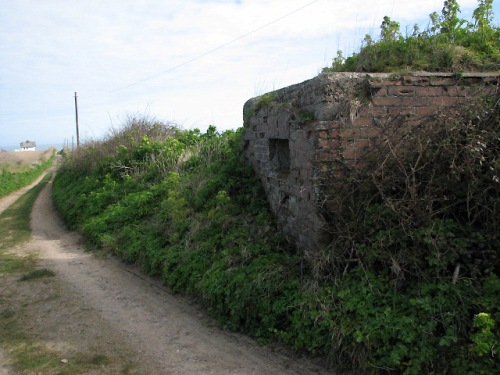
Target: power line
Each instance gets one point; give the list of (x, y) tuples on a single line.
[(215, 49)]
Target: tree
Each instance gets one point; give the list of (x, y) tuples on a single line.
[(483, 17), (435, 23), (389, 30), (450, 22)]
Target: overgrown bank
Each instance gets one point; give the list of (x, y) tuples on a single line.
[(184, 206)]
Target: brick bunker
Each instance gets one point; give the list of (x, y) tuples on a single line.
[(294, 135)]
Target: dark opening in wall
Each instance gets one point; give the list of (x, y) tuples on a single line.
[(279, 155)]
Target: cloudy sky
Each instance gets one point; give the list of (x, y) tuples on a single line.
[(192, 62)]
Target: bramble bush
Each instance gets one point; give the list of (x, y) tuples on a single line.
[(417, 223)]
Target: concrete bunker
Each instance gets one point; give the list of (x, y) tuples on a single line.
[(294, 135)]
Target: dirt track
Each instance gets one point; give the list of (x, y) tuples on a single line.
[(114, 309)]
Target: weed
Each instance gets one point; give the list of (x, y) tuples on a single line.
[(90, 359), (6, 314), (37, 274), (307, 116), (10, 263), (265, 101)]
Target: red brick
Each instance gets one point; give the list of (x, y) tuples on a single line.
[(361, 164), (401, 91), (323, 156), (400, 112), (362, 122), (328, 144), (350, 154), (424, 111), (372, 112), (386, 82), (430, 91), (323, 134), (456, 90), (443, 81), (349, 134), (382, 91), (387, 101), (445, 101), (368, 133), (416, 80), (361, 145), (415, 102), (334, 133)]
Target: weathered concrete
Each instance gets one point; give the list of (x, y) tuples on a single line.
[(295, 135)]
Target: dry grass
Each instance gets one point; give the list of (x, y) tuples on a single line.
[(14, 161)]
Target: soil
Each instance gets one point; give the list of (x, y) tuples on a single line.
[(96, 304)]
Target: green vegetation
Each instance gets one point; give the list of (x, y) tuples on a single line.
[(15, 220), (37, 274), (12, 180), (31, 357), (449, 44), (15, 230), (409, 285), (416, 247)]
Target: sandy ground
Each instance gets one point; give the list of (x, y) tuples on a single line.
[(99, 304)]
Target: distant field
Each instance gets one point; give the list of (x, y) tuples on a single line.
[(18, 169), (12, 161)]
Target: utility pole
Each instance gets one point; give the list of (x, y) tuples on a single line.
[(77, 131)]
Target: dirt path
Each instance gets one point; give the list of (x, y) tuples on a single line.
[(115, 310)]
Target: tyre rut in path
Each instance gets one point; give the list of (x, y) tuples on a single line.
[(169, 335)]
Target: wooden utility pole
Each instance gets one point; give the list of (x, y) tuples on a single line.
[(77, 131)]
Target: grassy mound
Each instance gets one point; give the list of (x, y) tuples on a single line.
[(449, 44)]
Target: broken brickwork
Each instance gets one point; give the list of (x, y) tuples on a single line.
[(294, 135)]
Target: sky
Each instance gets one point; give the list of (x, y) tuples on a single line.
[(189, 62)]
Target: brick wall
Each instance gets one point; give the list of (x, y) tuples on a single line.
[(295, 136)]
